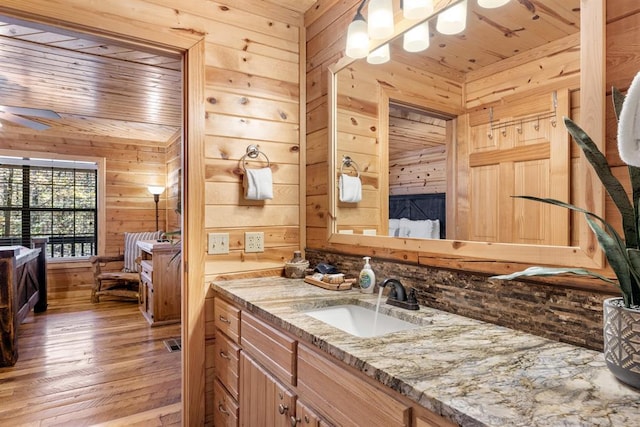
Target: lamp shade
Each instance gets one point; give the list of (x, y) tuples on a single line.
[(380, 55), (155, 190), (417, 38), (491, 4), (357, 38), (453, 20), (417, 9), (380, 17)]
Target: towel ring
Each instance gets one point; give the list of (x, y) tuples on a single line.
[(253, 151), (350, 163)]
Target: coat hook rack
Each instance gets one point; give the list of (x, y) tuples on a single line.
[(519, 123)]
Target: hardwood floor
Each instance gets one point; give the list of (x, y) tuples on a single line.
[(83, 364)]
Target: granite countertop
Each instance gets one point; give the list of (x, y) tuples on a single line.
[(472, 372)]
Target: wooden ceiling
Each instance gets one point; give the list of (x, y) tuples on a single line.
[(492, 35), (98, 88)]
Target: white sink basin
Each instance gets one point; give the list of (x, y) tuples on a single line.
[(360, 321)]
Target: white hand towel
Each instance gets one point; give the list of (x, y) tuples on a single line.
[(258, 184), (350, 188), (629, 125)]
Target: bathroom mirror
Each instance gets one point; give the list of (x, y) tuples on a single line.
[(464, 99)]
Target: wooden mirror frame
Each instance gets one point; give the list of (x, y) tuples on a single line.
[(591, 196)]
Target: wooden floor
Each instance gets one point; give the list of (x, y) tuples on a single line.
[(82, 364)]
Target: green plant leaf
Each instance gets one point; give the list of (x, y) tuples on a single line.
[(572, 207), (618, 100), (552, 271), (617, 257), (611, 184)]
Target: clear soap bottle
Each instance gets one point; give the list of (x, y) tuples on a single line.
[(367, 278)]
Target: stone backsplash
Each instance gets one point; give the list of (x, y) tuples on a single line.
[(562, 314)]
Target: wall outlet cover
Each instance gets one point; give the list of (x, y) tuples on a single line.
[(218, 243), (254, 241)]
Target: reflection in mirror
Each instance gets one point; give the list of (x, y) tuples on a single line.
[(466, 124)]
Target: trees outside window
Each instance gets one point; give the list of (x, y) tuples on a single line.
[(52, 198)]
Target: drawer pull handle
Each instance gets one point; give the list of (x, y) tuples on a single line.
[(282, 408), (224, 319), (294, 421), (221, 409), (224, 355)]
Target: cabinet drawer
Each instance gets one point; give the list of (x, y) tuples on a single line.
[(344, 398), (146, 270), (226, 363), (227, 319), (226, 410), (273, 349)]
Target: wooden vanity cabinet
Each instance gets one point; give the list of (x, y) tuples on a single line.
[(265, 377)]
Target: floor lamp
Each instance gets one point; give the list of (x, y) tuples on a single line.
[(156, 191)]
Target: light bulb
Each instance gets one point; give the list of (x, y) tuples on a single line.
[(380, 55), (417, 38), (357, 39), (491, 4), (453, 20), (417, 9), (380, 17)]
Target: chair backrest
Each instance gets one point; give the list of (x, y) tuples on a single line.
[(131, 249)]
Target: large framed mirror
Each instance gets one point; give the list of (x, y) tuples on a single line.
[(454, 131)]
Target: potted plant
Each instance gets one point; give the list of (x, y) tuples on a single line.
[(621, 315)]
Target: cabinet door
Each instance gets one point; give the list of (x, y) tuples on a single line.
[(264, 401), (306, 417), (226, 409)]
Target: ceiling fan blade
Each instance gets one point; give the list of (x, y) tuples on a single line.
[(22, 121), (33, 112)]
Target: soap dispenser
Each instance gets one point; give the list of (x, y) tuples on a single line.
[(367, 278)]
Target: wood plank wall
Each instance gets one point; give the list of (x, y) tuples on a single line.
[(252, 96), (131, 166), (623, 62), (174, 185)]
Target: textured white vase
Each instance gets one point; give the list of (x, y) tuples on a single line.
[(622, 341)]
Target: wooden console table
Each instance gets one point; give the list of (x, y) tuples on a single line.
[(160, 295)]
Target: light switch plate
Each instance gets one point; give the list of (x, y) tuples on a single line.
[(254, 241), (218, 243)]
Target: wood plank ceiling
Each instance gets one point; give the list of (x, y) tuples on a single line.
[(98, 89)]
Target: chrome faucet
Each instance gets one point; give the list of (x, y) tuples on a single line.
[(398, 295)]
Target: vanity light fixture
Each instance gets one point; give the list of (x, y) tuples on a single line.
[(380, 55), (357, 36), (491, 4), (453, 20), (417, 9), (417, 38), (380, 16)]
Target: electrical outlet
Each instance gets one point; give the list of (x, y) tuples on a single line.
[(218, 243), (254, 241)]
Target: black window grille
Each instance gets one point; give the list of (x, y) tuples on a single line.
[(55, 202)]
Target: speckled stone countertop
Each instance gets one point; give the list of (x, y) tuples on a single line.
[(474, 373)]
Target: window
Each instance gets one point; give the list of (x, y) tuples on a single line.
[(49, 198)]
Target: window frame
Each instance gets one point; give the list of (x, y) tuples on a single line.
[(100, 196)]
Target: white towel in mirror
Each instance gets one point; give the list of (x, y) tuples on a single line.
[(258, 184), (350, 188)]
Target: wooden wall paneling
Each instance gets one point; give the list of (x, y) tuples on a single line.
[(258, 57)]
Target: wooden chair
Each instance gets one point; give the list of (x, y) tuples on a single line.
[(126, 282), (114, 283)]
